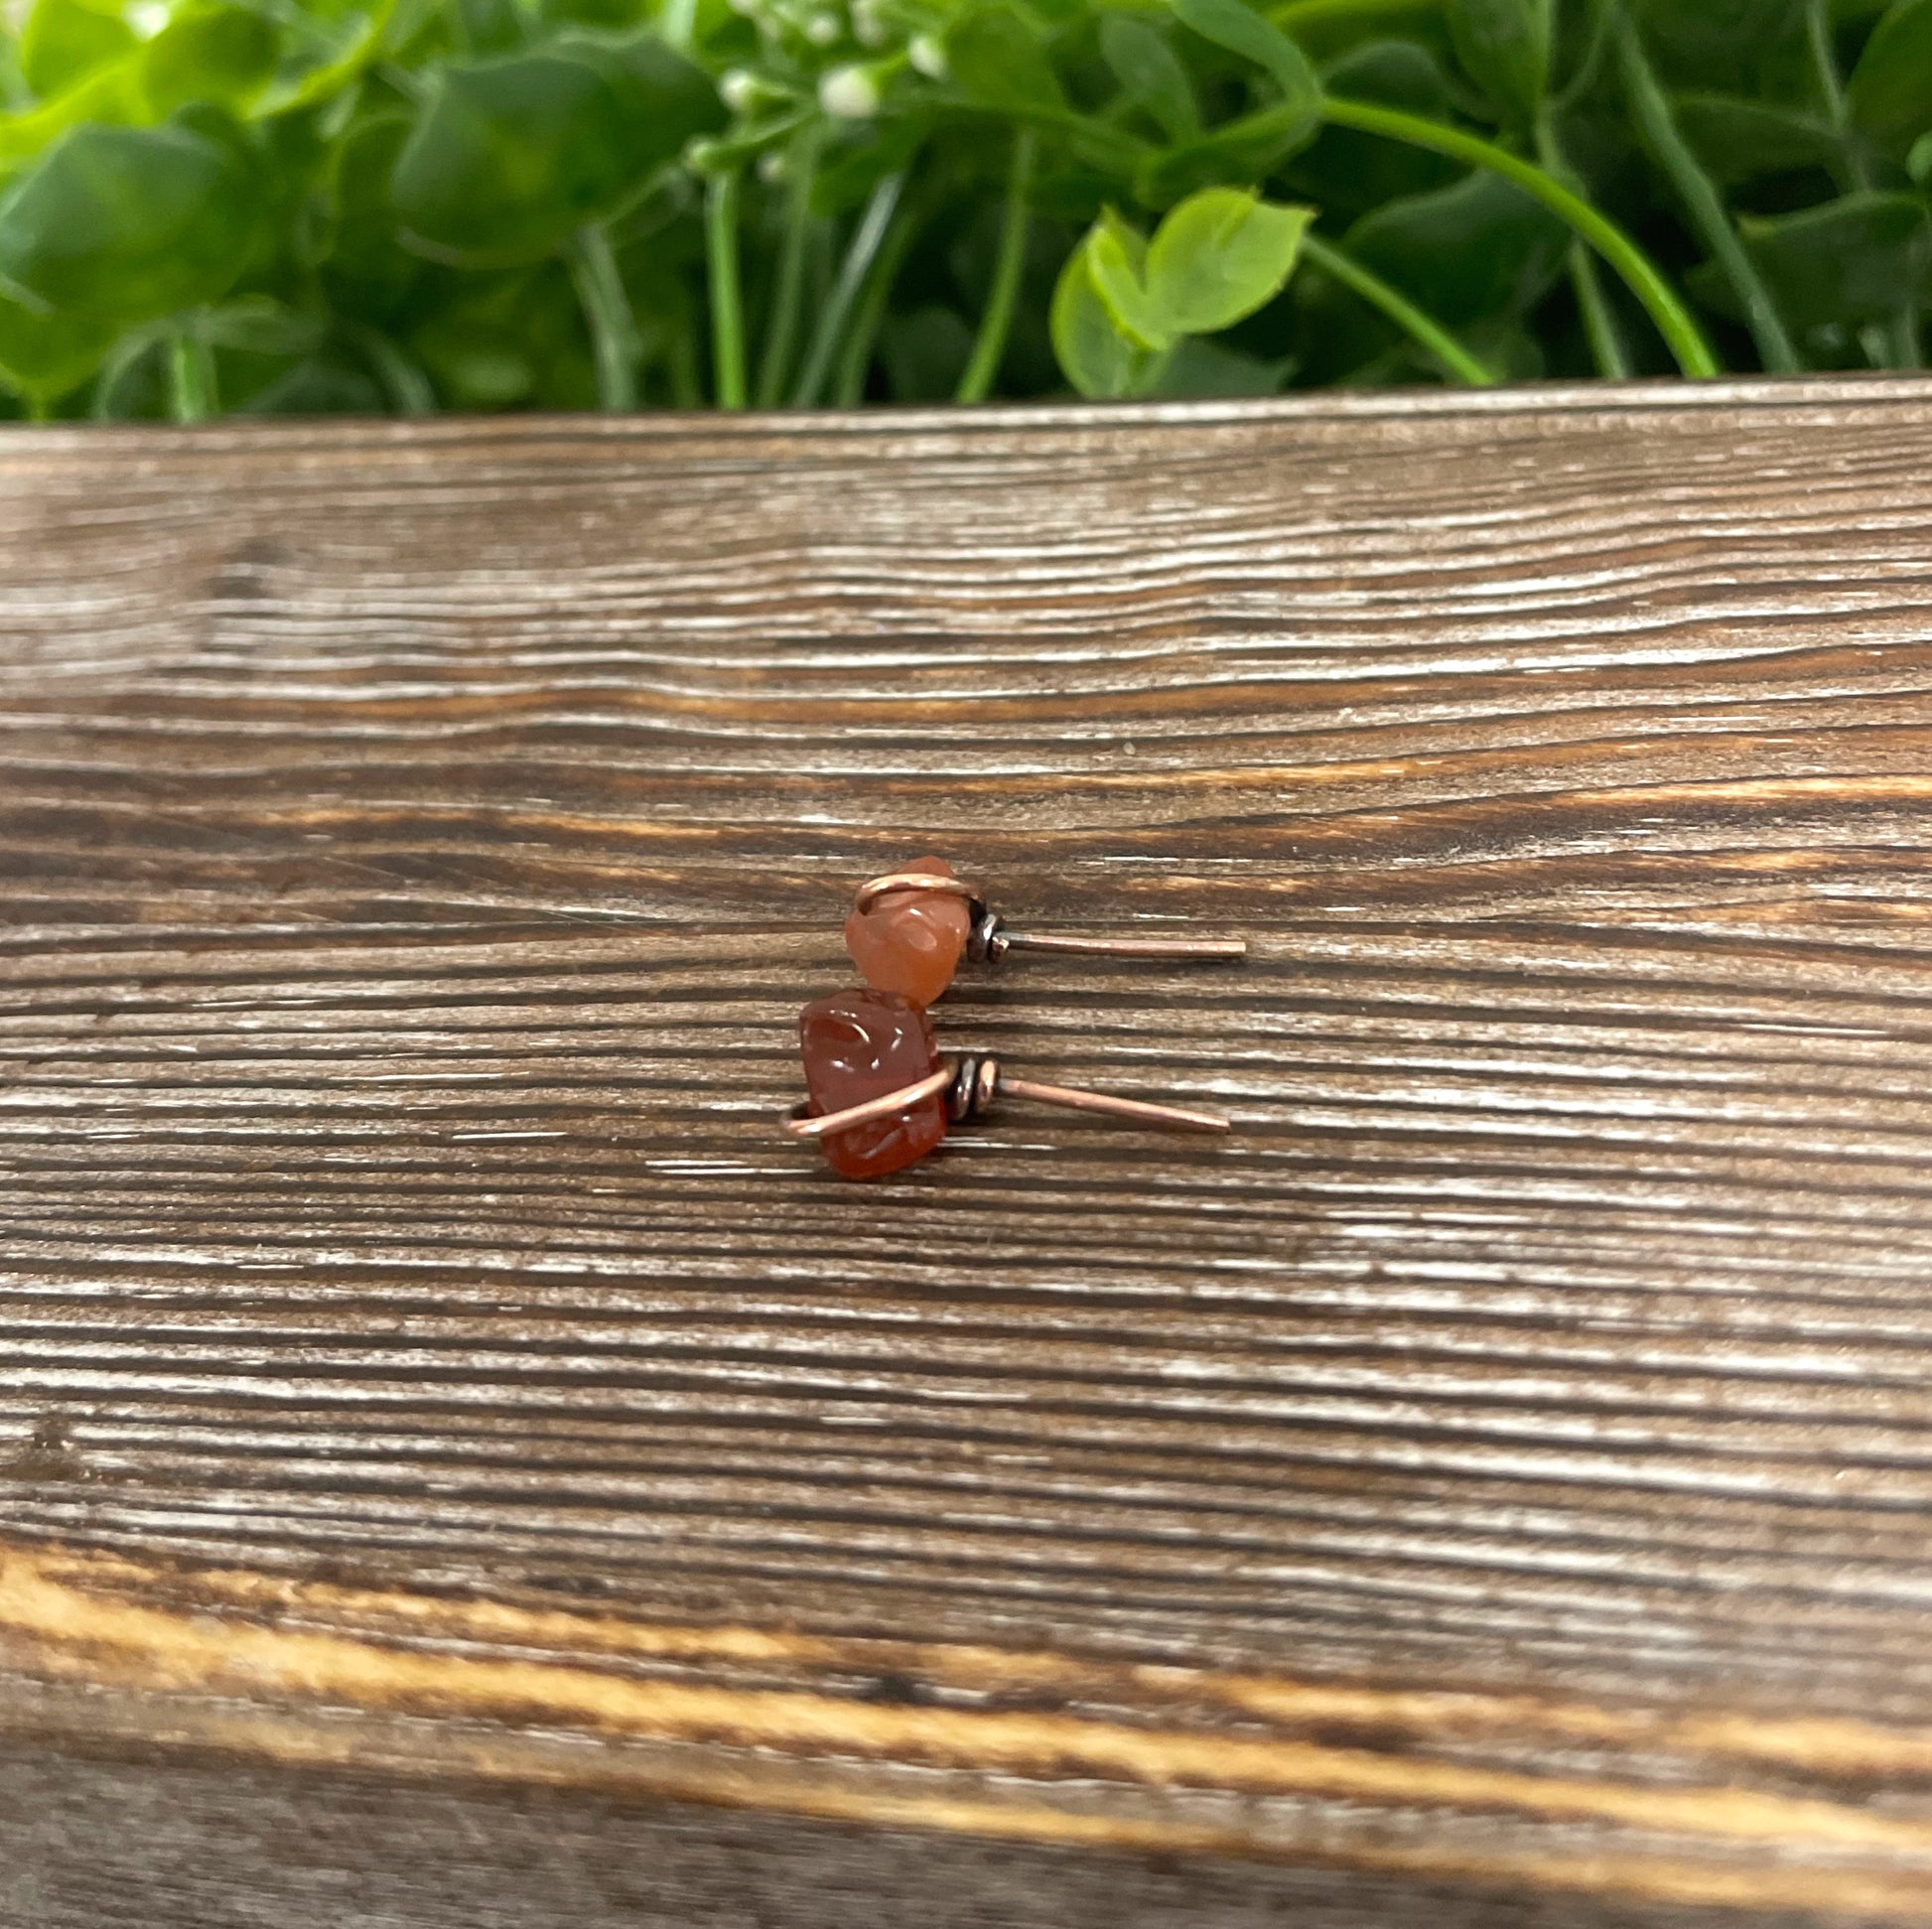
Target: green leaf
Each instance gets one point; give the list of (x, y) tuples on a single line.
[(1889, 95), (487, 26), (1398, 72), (1115, 264), (1327, 32), (133, 222), (1506, 46), (256, 324), (113, 95), (1209, 368), (510, 338), (1853, 259), (1239, 28), (1747, 46), (358, 246), (316, 386), (925, 353), (1217, 257), (44, 355), (1095, 357), (1465, 252), (330, 77), (671, 101), (210, 50), (1150, 74), (1233, 155), (996, 59), (1737, 140), (510, 157), (66, 41), (1344, 172)]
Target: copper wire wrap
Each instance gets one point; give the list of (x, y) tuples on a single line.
[(875, 889), (816, 1125), (972, 1081)]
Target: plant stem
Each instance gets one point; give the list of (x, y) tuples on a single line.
[(782, 324), (1600, 331), (687, 392), (1707, 210), (1584, 80), (726, 293), (607, 313), (1640, 274), (409, 388), (1423, 330), (122, 360), (190, 377), (1824, 59), (853, 270), (1605, 339), (1902, 332), (990, 344), (856, 356)]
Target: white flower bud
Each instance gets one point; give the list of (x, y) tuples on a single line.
[(822, 29), (774, 167), (925, 53), (739, 90), (869, 24), (849, 93)]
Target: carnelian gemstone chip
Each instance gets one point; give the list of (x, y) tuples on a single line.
[(910, 941), (860, 1045)]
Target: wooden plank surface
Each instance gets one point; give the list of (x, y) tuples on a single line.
[(1493, 1487)]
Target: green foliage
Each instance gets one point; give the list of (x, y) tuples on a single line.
[(209, 52), (513, 155), (1506, 46), (280, 205), (1891, 90), (997, 60), (1739, 141), (1124, 305), (64, 40), (1101, 356), (133, 224), (1476, 251), (1234, 25), (1218, 258), (1151, 75), (1853, 260)]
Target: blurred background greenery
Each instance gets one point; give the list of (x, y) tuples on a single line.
[(415, 205)]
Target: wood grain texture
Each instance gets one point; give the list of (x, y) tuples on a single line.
[(1496, 1486)]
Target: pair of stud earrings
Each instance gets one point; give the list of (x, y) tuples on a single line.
[(880, 1094)]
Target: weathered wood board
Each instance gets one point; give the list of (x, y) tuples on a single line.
[(460, 1463)]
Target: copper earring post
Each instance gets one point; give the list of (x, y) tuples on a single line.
[(974, 1082), (995, 941), (1175, 1118), (990, 939)]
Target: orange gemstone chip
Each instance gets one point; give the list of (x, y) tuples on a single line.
[(860, 1045), (910, 941)]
